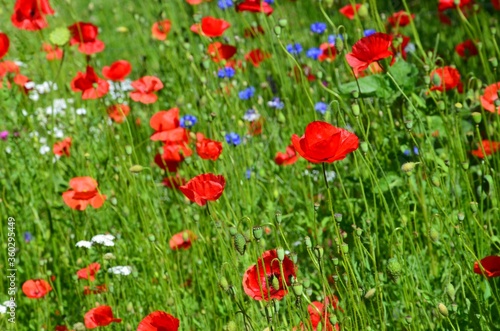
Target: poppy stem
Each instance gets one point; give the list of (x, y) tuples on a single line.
[(326, 181)]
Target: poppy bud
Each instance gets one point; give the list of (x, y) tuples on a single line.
[(298, 289), (319, 251), (450, 290), (494, 62), (281, 253), (152, 237), (333, 319), (370, 293), (275, 282), (257, 232), (136, 169), (364, 147), (277, 30), (278, 217), (335, 261), (355, 110), (436, 80), (443, 310), (476, 117), (473, 206), (60, 36), (281, 117), (408, 167), (130, 307), (434, 235), (427, 80), (345, 248), (79, 327), (338, 217), (363, 11), (239, 243), (231, 326), (233, 231), (359, 232), (461, 216), (283, 22), (394, 269), (339, 45), (223, 283), (306, 282), (308, 242), (293, 257)]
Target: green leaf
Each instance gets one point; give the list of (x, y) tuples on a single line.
[(405, 74), (368, 85)]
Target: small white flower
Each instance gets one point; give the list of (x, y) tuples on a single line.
[(8, 150), (81, 111), (34, 96), (29, 85), (104, 239), (4, 306), (84, 243), (44, 149), (121, 270)]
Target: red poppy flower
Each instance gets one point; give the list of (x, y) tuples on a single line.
[(264, 280), (255, 6), (61, 328), (255, 127), (370, 49), (328, 52), (89, 271), (286, 158), (194, 2), (62, 147), (174, 182), (53, 52), (30, 14), (319, 315), (4, 44), (182, 240), (204, 187), (349, 10), (399, 45), (100, 316), (323, 142), (450, 4), (490, 147), (491, 266), (175, 151), (87, 290), (466, 49), (489, 97), (495, 4), (145, 88), (444, 79), (307, 72), (84, 35), (210, 27), (21, 81), (91, 85), (159, 321), (256, 56), (118, 112), (83, 192), (166, 125), (36, 288), (219, 51), (164, 164), (253, 32), (208, 149), (117, 71), (443, 18), (161, 29), (8, 67), (401, 18)]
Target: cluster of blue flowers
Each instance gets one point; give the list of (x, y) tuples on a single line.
[(246, 93), (226, 72), (294, 49), (251, 115), (318, 27), (276, 103), (232, 138), (225, 4), (314, 53), (187, 121)]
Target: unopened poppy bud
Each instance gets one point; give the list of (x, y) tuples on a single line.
[(450, 290), (339, 45), (277, 30), (345, 248), (130, 307), (473, 206), (319, 75), (281, 117), (239, 243), (275, 282), (355, 94), (223, 283), (338, 217), (231, 326), (363, 11), (152, 237), (283, 22), (306, 282), (408, 166), (359, 232), (136, 168), (443, 310), (461, 216), (465, 165), (257, 232), (319, 251), (436, 80), (427, 80), (79, 327), (308, 242), (364, 147), (494, 62), (203, 80), (333, 319), (335, 261), (394, 269), (434, 235), (355, 109), (280, 252), (233, 231), (409, 124), (293, 256), (298, 289), (278, 217), (370, 293), (476, 117)]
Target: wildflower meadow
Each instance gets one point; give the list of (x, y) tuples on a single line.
[(253, 165)]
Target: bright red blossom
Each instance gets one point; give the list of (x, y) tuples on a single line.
[(91, 85), (87, 290), (167, 126), (30, 14), (174, 182), (445, 78), (323, 142), (370, 49), (489, 147), (84, 35), (89, 272), (159, 321), (401, 18), (182, 240), (319, 316), (204, 187), (53, 52), (100, 316), (118, 112), (256, 56), (450, 4), (490, 97), (62, 147), (117, 71), (255, 6), (210, 27), (145, 88), (4, 44), (36, 288), (466, 49), (491, 266), (161, 29), (328, 52), (286, 158), (350, 11), (264, 280), (208, 149), (83, 192), (219, 51)]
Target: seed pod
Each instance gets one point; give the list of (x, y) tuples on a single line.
[(283, 22), (443, 310), (240, 243), (298, 289), (280, 252), (476, 117), (257, 232), (233, 231), (394, 269), (223, 283), (308, 242), (136, 168), (275, 282), (345, 248), (408, 167), (364, 147), (277, 30), (450, 290), (319, 251)]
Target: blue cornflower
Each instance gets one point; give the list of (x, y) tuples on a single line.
[(332, 37), (187, 121), (313, 53), (276, 103), (251, 115), (269, 2), (225, 4), (294, 49), (318, 27), (369, 32), (232, 138), (28, 236), (247, 93), (321, 107), (226, 72), (248, 173)]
